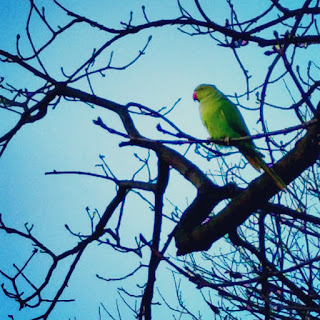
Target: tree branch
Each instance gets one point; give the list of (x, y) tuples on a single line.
[(305, 153)]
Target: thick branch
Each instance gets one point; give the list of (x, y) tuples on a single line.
[(305, 153), (163, 178)]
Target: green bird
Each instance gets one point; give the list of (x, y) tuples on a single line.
[(223, 120)]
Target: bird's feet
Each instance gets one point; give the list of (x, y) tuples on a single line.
[(227, 141)]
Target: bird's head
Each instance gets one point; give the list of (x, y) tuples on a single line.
[(204, 90)]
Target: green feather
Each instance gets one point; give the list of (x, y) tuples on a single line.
[(223, 120)]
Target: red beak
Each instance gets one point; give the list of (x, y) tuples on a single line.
[(194, 96)]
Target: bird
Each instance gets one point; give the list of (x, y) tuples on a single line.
[(224, 121)]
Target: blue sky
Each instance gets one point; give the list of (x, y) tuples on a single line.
[(66, 139)]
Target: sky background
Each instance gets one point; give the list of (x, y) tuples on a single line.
[(67, 139)]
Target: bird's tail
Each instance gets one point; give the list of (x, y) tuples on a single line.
[(257, 162)]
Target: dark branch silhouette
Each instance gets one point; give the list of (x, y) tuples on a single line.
[(267, 266)]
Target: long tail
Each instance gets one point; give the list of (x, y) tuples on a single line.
[(257, 162)]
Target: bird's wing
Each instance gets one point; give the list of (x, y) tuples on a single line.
[(234, 118)]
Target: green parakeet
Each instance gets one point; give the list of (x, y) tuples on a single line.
[(223, 120)]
